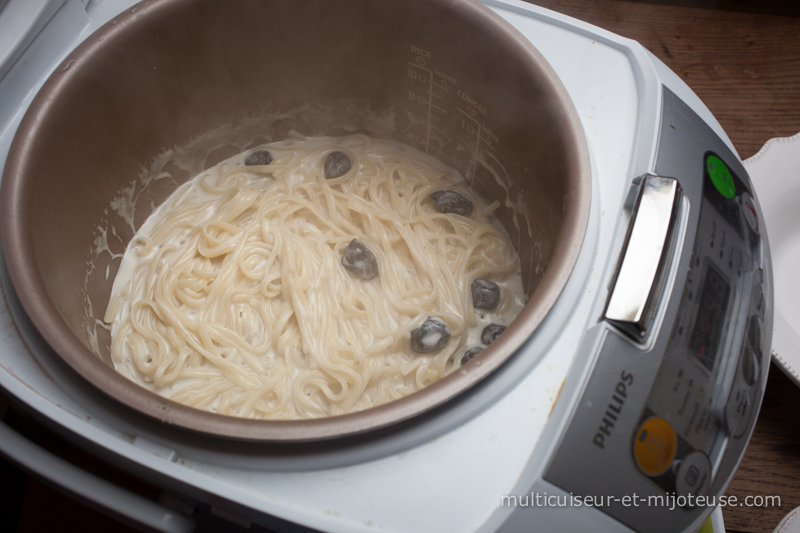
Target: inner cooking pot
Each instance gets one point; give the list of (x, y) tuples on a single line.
[(171, 87)]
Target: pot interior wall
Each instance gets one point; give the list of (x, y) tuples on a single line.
[(163, 92)]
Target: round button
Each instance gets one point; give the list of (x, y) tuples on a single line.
[(749, 366), (754, 333), (654, 446), (721, 176), (750, 213), (737, 410), (694, 475), (758, 292)]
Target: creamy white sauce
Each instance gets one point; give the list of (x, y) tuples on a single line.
[(142, 249)]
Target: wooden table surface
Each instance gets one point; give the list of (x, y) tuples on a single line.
[(745, 66)]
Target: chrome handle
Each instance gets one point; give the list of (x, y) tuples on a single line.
[(630, 306)]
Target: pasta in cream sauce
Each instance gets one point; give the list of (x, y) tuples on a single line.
[(297, 280)]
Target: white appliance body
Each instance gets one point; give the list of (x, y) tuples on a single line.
[(476, 465)]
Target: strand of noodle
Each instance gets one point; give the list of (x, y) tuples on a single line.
[(256, 395), (235, 374)]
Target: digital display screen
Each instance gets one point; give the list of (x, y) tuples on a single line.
[(710, 320)]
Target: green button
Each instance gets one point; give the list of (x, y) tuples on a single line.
[(721, 176)]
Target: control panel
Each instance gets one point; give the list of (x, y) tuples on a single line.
[(681, 347), (711, 344)]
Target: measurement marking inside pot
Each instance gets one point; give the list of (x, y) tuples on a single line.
[(428, 78), (433, 79), (431, 73), (430, 106), (479, 135)]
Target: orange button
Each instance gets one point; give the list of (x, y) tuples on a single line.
[(655, 446)]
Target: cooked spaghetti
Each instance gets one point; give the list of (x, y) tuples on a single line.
[(234, 296)]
